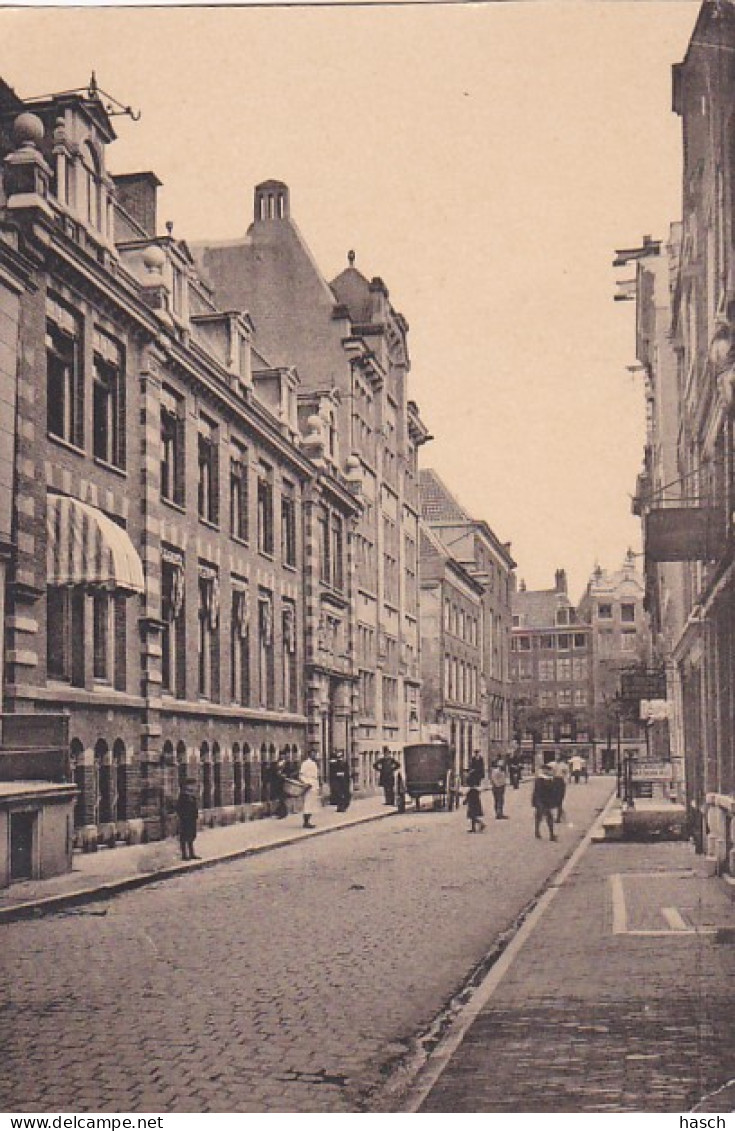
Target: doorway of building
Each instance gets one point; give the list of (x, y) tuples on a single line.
[(21, 845)]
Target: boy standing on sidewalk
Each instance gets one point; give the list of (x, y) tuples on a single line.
[(498, 781), (473, 801)]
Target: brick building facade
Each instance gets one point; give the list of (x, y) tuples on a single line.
[(686, 492), (552, 672), (488, 561), (165, 579), (451, 650)]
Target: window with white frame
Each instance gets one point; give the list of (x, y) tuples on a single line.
[(266, 537), (208, 471), (266, 666), (288, 524), (64, 374), (172, 447), (290, 666), (208, 617), (173, 635), (239, 495), (108, 400), (240, 645), (65, 634)]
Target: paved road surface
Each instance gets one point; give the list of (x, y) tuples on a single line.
[(622, 999), (287, 982)]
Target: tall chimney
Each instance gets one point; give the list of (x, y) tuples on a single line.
[(561, 581), (137, 194)]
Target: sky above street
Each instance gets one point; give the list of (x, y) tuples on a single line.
[(484, 160)]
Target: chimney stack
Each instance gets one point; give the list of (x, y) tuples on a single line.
[(561, 581)]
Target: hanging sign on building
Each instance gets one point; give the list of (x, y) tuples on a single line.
[(643, 683), (683, 534)]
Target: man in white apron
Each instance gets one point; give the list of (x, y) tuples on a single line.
[(309, 775)]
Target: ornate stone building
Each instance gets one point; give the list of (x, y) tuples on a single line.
[(163, 578), (350, 347)]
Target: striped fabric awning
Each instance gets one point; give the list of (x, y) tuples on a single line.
[(85, 547)]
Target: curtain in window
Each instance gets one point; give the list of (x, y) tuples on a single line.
[(241, 612), (266, 622), (211, 594), (289, 629)]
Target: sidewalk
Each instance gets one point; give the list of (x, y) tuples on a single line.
[(101, 874), (618, 995)]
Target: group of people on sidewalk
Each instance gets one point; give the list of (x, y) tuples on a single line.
[(284, 780)]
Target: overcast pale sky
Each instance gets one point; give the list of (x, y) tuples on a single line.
[(484, 160)]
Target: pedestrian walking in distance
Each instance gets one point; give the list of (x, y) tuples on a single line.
[(386, 768), (498, 782), (561, 776), (341, 782), (187, 810), (309, 776), (514, 769), (575, 765), (543, 800), (473, 801)]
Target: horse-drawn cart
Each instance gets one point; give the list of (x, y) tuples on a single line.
[(429, 772)]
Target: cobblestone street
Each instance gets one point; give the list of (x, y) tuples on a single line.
[(620, 1000), (285, 982)]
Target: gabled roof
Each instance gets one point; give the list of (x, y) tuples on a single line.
[(431, 545), (537, 607), (438, 504)]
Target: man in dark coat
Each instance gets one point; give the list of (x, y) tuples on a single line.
[(476, 771), (340, 781), (277, 777), (543, 800), (386, 767), (187, 809)]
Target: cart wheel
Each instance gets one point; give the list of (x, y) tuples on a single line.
[(400, 794)]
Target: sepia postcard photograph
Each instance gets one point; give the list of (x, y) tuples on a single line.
[(367, 481)]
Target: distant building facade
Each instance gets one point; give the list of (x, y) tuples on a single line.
[(613, 606), (552, 672), (451, 650), (489, 562), (350, 348)]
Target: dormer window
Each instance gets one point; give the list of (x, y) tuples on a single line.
[(91, 187), (332, 435), (177, 291)]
